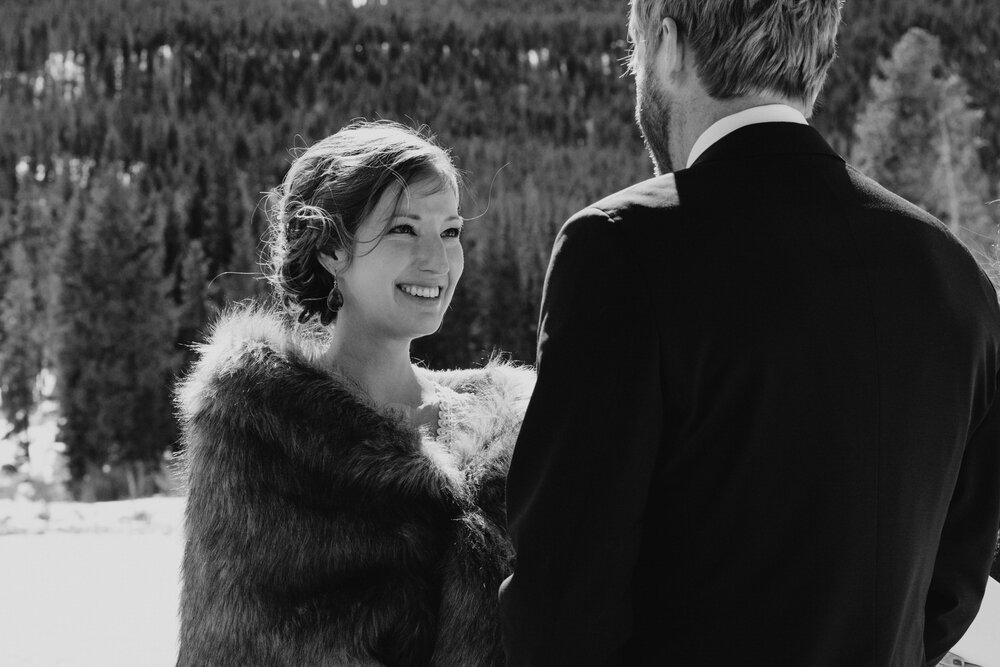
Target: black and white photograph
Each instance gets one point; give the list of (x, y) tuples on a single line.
[(509, 333)]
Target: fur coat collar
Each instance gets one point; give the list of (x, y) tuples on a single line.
[(321, 530)]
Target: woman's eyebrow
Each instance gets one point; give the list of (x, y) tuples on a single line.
[(413, 216)]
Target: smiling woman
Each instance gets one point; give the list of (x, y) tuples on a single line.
[(408, 264), (339, 199), (345, 506)]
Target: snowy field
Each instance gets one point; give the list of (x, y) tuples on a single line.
[(96, 585), (76, 600)]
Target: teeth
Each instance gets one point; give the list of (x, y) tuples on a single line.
[(424, 292)]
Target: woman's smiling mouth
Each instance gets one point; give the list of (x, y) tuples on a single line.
[(420, 291)]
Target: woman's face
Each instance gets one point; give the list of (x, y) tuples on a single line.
[(399, 284)]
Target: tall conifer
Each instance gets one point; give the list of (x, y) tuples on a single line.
[(26, 234), (115, 338), (918, 136)]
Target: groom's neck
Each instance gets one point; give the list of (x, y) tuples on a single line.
[(692, 118)]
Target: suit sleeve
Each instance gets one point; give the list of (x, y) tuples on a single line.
[(583, 462), (968, 542)]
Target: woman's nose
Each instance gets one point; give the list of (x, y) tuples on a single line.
[(433, 255)]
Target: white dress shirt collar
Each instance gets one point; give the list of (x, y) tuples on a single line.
[(768, 113)]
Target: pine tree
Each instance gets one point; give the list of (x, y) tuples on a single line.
[(919, 136), (25, 244), (20, 349), (115, 338)]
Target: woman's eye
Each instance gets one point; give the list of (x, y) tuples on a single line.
[(402, 229), (452, 233)]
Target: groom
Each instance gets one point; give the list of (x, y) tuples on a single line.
[(766, 427)]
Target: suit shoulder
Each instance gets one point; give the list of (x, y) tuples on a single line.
[(935, 237), (655, 195), (876, 197), (592, 227)]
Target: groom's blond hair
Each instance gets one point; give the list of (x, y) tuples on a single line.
[(745, 47)]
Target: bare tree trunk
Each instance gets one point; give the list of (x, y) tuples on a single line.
[(132, 478), (954, 208)]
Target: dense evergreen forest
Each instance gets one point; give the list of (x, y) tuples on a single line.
[(139, 137)]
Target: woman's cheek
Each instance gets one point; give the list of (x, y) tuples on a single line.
[(456, 262)]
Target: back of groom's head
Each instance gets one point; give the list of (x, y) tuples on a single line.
[(747, 47)]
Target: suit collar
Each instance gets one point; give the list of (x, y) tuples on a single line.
[(767, 139), (766, 113)]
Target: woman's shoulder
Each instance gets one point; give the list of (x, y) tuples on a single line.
[(239, 329), (249, 348)]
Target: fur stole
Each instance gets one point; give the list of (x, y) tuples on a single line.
[(321, 531)]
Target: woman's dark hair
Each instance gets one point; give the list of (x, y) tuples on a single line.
[(329, 190)]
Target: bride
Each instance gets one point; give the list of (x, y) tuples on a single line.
[(345, 507)]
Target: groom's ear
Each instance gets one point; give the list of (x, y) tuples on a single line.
[(672, 46)]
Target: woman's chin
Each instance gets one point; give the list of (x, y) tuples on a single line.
[(426, 320), (431, 328), (420, 326)]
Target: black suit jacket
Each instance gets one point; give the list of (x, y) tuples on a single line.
[(765, 429)]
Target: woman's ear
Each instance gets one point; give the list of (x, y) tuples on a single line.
[(335, 265)]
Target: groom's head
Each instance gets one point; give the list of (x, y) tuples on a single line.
[(735, 48)]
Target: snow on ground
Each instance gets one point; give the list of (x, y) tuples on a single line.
[(89, 600), (161, 515), (981, 644), (97, 585), (93, 585)]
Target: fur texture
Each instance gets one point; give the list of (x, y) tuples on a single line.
[(320, 531)]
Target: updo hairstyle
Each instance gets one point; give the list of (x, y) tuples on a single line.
[(327, 194)]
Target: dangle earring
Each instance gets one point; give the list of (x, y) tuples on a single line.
[(334, 300)]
